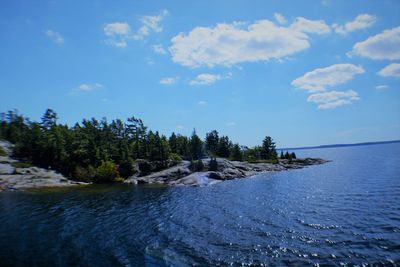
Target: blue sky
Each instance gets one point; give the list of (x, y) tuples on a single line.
[(303, 72)]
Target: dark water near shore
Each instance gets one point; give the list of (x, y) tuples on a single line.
[(346, 211)]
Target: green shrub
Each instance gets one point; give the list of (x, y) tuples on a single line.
[(213, 165), (2, 152), (106, 172), (196, 166), (175, 158), (126, 168), (84, 174), (119, 180), (145, 167), (21, 164)]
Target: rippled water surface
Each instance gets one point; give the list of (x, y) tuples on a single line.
[(343, 212)]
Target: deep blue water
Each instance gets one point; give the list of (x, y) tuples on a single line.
[(343, 212)]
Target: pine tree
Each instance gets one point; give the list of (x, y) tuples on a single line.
[(196, 146), (236, 153), (224, 146), (49, 118), (211, 143), (268, 149), (173, 143)]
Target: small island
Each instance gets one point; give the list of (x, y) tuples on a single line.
[(48, 154)]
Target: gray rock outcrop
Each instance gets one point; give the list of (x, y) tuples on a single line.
[(15, 178), (181, 174)]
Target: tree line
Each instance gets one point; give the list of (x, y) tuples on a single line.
[(101, 151)]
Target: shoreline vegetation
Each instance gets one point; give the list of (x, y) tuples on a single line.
[(101, 152)]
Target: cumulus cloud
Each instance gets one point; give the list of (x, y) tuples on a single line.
[(362, 21), (119, 33), (207, 79), (55, 37), (310, 26), (117, 28), (280, 18), (230, 44), (392, 70), (322, 78), (169, 80), (384, 45), (159, 49), (150, 24), (333, 99)]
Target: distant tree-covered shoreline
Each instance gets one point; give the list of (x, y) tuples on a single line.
[(102, 151)]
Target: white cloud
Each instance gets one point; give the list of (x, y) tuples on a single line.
[(55, 37), (202, 103), (384, 45), (321, 78), (159, 49), (169, 80), (118, 44), (381, 87), (180, 127), (333, 99), (207, 79), (119, 33), (149, 24), (392, 70), (117, 28), (86, 87), (229, 44), (231, 124), (362, 21), (310, 26), (280, 18)]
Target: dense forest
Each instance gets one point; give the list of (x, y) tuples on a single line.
[(102, 151)]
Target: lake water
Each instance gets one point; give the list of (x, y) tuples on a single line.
[(343, 212)]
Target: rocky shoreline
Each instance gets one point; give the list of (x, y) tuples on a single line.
[(15, 176), (227, 170)]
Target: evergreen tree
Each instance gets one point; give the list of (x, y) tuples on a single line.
[(268, 149), (49, 118), (195, 146), (211, 143), (236, 153), (182, 147), (173, 143), (224, 145), (92, 148)]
